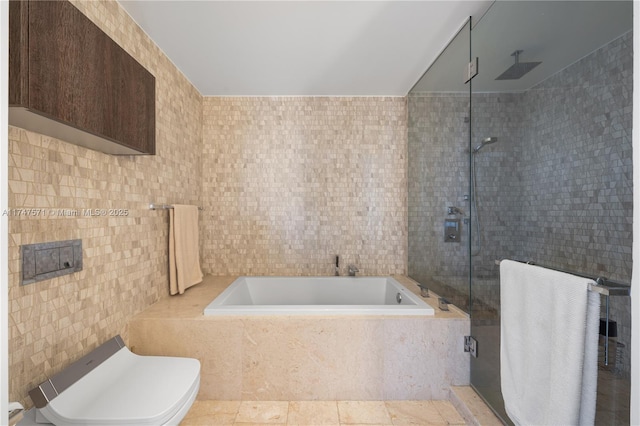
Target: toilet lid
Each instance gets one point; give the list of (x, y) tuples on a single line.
[(127, 389)]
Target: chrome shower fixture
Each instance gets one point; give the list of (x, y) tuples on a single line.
[(517, 70), (485, 141)]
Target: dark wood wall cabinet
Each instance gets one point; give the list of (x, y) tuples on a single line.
[(69, 80)]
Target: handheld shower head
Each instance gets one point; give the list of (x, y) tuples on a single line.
[(485, 141)]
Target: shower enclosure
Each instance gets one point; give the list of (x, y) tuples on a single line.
[(534, 154)]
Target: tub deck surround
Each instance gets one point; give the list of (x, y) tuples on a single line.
[(307, 357), (299, 357)]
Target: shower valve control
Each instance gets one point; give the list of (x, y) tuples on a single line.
[(451, 230)]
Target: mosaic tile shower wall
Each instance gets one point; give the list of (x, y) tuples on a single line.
[(439, 177), (55, 322), (578, 142), (438, 170), (497, 192), (288, 183), (576, 168)]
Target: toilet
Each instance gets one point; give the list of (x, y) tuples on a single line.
[(113, 386)]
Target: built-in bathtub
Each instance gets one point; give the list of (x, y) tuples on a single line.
[(317, 296), (300, 357)]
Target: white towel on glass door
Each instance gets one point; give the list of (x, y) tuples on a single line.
[(549, 345)]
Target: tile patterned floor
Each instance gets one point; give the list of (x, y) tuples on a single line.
[(323, 413)]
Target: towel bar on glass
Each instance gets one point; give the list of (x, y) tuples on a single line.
[(164, 207), (604, 286)]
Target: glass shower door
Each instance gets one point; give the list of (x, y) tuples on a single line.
[(550, 167), (438, 177)]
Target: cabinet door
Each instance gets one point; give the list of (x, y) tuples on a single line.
[(51, 56), (134, 100), (18, 53), (78, 75)]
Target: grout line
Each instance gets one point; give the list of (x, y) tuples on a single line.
[(235, 418)]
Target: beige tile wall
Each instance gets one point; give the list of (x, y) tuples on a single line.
[(125, 258), (290, 182)]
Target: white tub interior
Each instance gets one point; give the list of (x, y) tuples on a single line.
[(317, 295)]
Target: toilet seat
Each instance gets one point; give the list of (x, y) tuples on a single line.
[(128, 389)]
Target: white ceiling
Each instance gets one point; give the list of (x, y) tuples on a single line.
[(302, 48)]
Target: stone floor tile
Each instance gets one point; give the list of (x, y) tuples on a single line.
[(365, 412), (414, 413), (263, 412), (313, 413), (211, 413)]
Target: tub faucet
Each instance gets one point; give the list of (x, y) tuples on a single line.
[(337, 265), (352, 270)]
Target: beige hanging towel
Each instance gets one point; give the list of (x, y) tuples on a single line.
[(184, 253)]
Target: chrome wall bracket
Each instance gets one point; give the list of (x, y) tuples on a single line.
[(471, 345)]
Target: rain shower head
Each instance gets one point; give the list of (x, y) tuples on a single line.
[(485, 141), (517, 70)]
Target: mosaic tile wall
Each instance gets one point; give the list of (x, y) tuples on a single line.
[(556, 188), (288, 183), (439, 177), (54, 322), (576, 168), (438, 170), (579, 134), (497, 193)]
